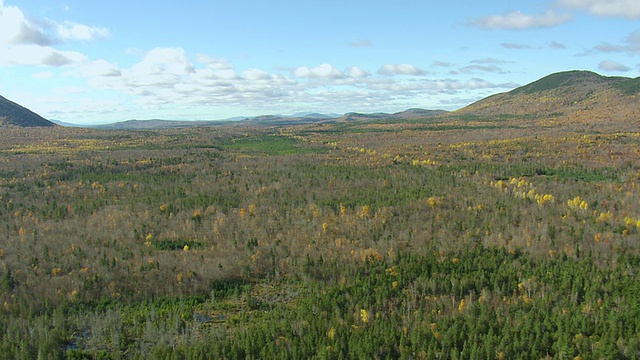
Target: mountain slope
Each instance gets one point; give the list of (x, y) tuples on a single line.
[(564, 93), (12, 114)]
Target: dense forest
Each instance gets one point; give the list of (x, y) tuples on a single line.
[(451, 237)]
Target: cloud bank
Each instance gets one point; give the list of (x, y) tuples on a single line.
[(167, 76)]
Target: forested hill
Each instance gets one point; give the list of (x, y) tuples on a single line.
[(12, 114), (565, 93)]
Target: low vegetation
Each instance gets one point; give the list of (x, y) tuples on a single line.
[(450, 238)]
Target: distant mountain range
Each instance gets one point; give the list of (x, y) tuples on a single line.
[(561, 94), (158, 124), (271, 120)]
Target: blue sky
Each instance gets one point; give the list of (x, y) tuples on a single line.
[(90, 62)]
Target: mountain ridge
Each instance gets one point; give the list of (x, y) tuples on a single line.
[(563, 93), (13, 114)]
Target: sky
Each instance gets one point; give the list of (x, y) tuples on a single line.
[(98, 61)]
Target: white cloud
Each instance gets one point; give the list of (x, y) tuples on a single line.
[(356, 72), (631, 45), (99, 68), (302, 71), (489, 65), (516, 20), (213, 62), (325, 71), (16, 29), (228, 74), (166, 76), (31, 42), (74, 31), (476, 83), (608, 48), (165, 60), (160, 68), (629, 9), (256, 74), (58, 58), (453, 86), (609, 65), (37, 55), (401, 69), (432, 86)]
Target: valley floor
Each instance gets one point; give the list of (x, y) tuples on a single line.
[(448, 237)]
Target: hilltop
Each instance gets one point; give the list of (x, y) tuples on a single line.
[(12, 114), (567, 93)]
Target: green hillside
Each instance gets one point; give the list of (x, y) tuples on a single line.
[(564, 94)]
